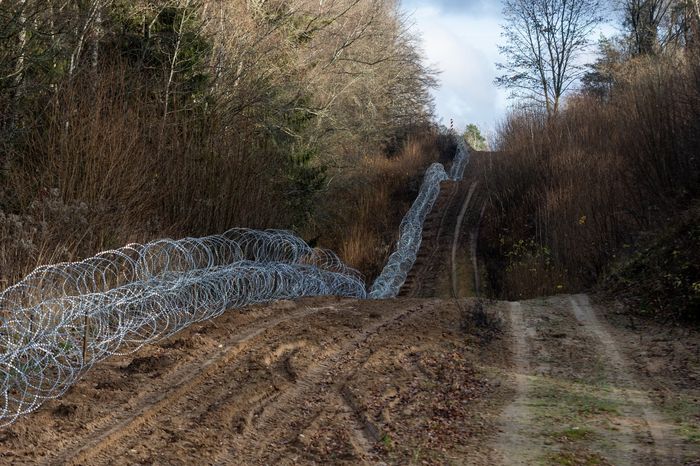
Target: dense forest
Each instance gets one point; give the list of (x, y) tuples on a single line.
[(125, 120), (600, 184)]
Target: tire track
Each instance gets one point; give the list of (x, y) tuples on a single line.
[(513, 445), (151, 405), (664, 441), (576, 399), (365, 434), (456, 238), (321, 391), (437, 261), (473, 251), (431, 241)]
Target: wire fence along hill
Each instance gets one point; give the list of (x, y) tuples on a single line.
[(62, 319)]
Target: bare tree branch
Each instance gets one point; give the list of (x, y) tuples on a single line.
[(543, 42)]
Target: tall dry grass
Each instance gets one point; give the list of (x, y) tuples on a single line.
[(570, 194), (101, 167)]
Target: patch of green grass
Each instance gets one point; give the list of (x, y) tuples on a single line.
[(574, 434), (572, 400), (686, 414), (584, 408), (568, 458), (690, 432), (387, 441), (416, 455)]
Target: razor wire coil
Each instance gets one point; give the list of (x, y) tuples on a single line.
[(400, 262), (61, 319)]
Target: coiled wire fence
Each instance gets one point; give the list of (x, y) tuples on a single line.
[(401, 261), (62, 319)]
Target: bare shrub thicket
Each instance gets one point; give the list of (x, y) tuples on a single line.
[(570, 194), (362, 225)]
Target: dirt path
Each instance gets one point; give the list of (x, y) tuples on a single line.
[(446, 263), (186, 380), (432, 258), (473, 254), (407, 381), (578, 399), (665, 446), (513, 445), (456, 239)]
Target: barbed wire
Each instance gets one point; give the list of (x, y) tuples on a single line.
[(62, 319), (461, 159), (401, 261)]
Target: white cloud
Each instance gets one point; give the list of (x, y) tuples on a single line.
[(461, 38), (462, 44)]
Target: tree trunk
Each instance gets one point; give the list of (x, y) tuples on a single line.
[(694, 24), (81, 34), (97, 34), (173, 61), (18, 80)]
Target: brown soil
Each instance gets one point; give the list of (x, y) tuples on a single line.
[(446, 265), (316, 381), (581, 398)]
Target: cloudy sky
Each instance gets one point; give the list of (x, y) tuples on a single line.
[(460, 38)]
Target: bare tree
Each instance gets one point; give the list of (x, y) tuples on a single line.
[(690, 12), (178, 31), (694, 23), (544, 40), (20, 64), (643, 19), (655, 26), (90, 14)]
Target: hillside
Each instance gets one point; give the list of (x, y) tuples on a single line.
[(237, 232), (426, 380)]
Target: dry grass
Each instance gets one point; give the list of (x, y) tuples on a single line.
[(100, 168), (569, 194), (361, 222)]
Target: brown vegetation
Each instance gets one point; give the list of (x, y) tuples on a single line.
[(362, 223), (571, 194), (126, 121)]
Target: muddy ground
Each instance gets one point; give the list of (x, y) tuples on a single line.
[(317, 381)]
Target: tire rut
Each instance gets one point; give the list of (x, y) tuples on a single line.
[(439, 268), (473, 251), (315, 395), (456, 238), (121, 426), (576, 399), (513, 444), (661, 439), (421, 279)]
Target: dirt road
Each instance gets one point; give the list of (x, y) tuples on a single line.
[(416, 380), (447, 265), (583, 397)]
